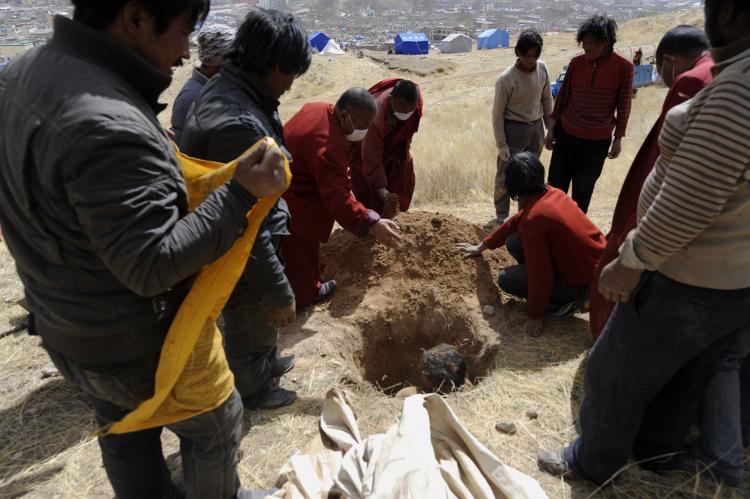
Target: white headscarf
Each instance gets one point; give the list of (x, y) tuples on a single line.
[(214, 42)]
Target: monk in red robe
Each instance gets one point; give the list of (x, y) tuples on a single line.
[(321, 139), (685, 64), (383, 171)]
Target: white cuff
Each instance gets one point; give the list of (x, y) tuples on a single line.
[(629, 255)]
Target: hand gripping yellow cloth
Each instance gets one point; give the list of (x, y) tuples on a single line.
[(193, 376)]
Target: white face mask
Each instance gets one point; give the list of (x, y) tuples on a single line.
[(356, 135), (402, 116)]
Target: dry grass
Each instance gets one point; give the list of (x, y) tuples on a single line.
[(46, 447)]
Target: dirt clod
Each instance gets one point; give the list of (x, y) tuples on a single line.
[(507, 428), (390, 206)]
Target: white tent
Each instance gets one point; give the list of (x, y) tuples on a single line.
[(332, 48), (455, 43)]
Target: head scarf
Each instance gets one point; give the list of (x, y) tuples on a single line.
[(213, 44)]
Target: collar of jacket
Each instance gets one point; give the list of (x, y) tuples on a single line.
[(729, 54), (88, 44), (199, 77), (254, 88)]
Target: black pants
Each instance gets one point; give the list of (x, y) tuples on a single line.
[(134, 462), (579, 161)]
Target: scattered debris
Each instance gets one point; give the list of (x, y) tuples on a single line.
[(49, 371), (489, 309), (507, 428), (14, 329), (443, 369), (533, 412)]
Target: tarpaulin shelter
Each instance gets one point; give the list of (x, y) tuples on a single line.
[(318, 40), (411, 44), (455, 44), (493, 38)]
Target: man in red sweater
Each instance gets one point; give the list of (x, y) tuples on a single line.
[(685, 63), (555, 244), (383, 171), (594, 100), (321, 139)]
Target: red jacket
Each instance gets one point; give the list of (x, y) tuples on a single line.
[(558, 240), (385, 160), (320, 192), (624, 219), (591, 93)]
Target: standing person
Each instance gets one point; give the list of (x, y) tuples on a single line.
[(95, 213), (213, 44), (383, 170), (594, 100), (684, 61), (322, 138), (523, 102), (682, 277), (236, 108), (555, 244)]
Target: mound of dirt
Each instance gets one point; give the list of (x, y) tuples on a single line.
[(408, 300)]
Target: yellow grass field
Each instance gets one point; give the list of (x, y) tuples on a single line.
[(46, 445)]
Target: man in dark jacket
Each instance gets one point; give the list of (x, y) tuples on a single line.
[(236, 108), (94, 210)]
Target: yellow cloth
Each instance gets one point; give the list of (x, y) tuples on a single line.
[(193, 376)]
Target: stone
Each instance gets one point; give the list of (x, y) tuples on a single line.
[(507, 428), (49, 371), (489, 309), (533, 412)]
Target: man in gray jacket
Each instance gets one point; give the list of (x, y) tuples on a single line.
[(94, 210), (236, 108)]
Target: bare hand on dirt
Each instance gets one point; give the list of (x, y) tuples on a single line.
[(282, 317), (386, 232), (534, 327), (617, 281), (616, 149), (470, 250), (262, 171)]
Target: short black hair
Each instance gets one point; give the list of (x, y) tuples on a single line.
[(524, 175), (406, 90), (601, 27), (684, 40), (269, 39), (527, 40), (100, 14), (357, 99)]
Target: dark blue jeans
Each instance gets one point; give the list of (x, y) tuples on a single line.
[(647, 373), (134, 462)]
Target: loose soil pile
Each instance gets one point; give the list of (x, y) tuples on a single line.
[(408, 300)]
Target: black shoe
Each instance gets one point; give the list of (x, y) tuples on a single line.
[(554, 463), (326, 290), (565, 310), (282, 365), (270, 399)]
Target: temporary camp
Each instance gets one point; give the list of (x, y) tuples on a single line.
[(411, 44), (332, 48), (492, 39), (318, 40), (455, 43)]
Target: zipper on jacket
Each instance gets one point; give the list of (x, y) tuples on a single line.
[(593, 73)]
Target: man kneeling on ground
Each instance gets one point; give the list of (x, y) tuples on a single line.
[(555, 281)]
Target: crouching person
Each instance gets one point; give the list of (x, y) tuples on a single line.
[(95, 214), (555, 244), (238, 107)]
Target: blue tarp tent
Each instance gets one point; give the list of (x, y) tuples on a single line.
[(318, 40), (411, 44), (492, 39)]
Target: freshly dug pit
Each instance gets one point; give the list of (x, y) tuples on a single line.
[(394, 341)]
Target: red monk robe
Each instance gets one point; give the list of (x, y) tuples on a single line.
[(625, 219), (385, 160), (320, 193)]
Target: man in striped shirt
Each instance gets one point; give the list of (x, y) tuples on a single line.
[(594, 100), (682, 279)]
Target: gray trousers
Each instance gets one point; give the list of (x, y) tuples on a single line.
[(134, 462), (513, 280), (520, 137)]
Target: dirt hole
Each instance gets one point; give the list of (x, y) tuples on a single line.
[(394, 341)]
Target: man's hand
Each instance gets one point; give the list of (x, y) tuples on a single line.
[(617, 281), (284, 316), (549, 140), (534, 327), (471, 251), (385, 232), (262, 171), (504, 153), (616, 149)]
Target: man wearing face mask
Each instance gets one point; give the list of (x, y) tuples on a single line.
[(322, 139), (520, 111), (684, 61), (383, 170)]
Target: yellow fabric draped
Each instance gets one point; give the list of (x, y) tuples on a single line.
[(193, 375)]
